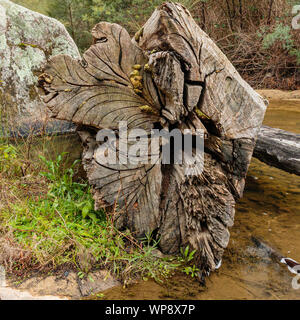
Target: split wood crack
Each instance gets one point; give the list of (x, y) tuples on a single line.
[(170, 75)]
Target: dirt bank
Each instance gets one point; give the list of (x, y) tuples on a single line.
[(279, 94)]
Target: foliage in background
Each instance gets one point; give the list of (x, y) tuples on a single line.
[(256, 35), (132, 14), (79, 16), (281, 36), (76, 15), (36, 5)]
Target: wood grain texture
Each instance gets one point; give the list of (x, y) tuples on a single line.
[(170, 75), (286, 155), (97, 91)]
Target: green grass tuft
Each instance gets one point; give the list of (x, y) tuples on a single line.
[(60, 226)]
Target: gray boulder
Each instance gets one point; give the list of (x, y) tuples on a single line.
[(27, 40)]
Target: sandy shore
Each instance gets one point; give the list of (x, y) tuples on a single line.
[(279, 94)]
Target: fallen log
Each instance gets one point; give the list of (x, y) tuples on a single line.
[(171, 75), (278, 148)]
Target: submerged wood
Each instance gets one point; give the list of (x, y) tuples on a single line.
[(170, 75)]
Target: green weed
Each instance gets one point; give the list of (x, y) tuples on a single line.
[(187, 257), (9, 163), (191, 270), (61, 227)]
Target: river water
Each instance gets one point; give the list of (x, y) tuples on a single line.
[(269, 210)]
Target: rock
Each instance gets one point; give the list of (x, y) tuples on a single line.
[(13, 294), (65, 286), (97, 281), (27, 41)]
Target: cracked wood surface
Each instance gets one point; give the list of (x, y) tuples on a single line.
[(170, 75), (285, 156)]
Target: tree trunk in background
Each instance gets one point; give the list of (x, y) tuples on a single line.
[(171, 75)]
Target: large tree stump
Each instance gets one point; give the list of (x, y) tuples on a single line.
[(170, 75)]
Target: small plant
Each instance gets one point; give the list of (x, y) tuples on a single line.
[(9, 163), (146, 263), (80, 274), (149, 241), (281, 35), (192, 271), (62, 186), (186, 255)]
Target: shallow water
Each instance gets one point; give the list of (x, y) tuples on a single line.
[(51, 147), (270, 210)]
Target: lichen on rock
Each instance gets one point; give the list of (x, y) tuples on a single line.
[(27, 41)]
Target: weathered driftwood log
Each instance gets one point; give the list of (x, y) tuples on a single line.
[(170, 75), (278, 148)]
